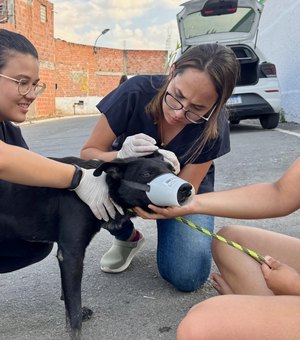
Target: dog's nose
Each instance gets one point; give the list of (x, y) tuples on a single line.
[(184, 192)]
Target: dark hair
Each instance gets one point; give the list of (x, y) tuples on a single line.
[(123, 79), (220, 63), (11, 42)]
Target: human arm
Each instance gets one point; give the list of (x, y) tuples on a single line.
[(19, 165), (100, 142), (281, 278), (22, 166), (263, 200), (98, 145)]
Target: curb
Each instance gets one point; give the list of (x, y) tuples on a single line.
[(37, 121)]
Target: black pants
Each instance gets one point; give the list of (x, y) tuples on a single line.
[(18, 254)]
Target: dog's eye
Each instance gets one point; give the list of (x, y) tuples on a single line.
[(146, 174)]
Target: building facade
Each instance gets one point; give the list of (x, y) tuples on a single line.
[(77, 76)]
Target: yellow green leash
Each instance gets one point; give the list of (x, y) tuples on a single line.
[(252, 253), (259, 258)]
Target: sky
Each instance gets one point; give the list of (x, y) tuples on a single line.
[(133, 24)]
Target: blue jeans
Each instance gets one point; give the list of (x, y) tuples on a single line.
[(183, 253)]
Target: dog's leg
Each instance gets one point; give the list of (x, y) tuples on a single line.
[(71, 268)]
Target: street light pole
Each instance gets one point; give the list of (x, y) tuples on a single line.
[(102, 33)]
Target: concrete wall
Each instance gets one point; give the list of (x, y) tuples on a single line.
[(279, 40)]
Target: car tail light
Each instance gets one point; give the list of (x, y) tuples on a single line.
[(268, 70)]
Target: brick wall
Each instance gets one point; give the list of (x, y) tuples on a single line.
[(80, 71), (24, 18), (74, 72)]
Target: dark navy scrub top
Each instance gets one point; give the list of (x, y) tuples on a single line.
[(124, 109), (11, 134)]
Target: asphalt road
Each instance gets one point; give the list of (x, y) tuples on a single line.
[(136, 304)]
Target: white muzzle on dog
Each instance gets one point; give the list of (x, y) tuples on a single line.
[(170, 190)]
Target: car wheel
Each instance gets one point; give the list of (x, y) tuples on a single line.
[(234, 121), (269, 121)]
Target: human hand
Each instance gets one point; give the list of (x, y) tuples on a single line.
[(94, 192), (164, 213), (137, 146), (281, 278), (170, 157)]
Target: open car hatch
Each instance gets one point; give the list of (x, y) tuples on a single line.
[(222, 21)]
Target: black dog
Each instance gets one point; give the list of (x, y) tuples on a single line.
[(53, 215)]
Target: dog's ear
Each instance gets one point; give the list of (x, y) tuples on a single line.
[(156, 155), (114, 168), (114, 171)]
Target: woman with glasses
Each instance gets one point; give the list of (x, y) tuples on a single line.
[(182, 116), (19, 87)]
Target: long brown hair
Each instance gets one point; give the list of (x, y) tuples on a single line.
[(220, 63)]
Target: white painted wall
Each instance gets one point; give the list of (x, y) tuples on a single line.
[(65, 105), (279, 40)]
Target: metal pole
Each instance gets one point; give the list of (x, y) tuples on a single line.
[(102, 33)]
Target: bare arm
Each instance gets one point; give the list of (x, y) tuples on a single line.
[(21, 166), (98, 146), (263, 200), (255, 201)]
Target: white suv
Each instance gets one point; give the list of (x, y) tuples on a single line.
[(234, 23)]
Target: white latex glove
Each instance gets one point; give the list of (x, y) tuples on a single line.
[(170, 157), (94, 192), (137, 146)]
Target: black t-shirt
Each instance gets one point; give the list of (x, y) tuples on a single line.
[(11, 134), (124, 109)]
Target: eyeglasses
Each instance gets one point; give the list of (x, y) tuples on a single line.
[(25, 86), (192, 116)]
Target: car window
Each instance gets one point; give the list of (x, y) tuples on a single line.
[(196, 25)]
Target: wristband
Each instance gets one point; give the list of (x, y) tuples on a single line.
[(76, 177)]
